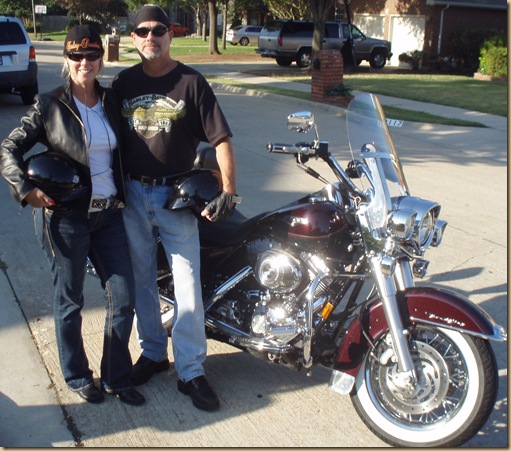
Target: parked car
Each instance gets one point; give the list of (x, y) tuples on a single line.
[(18, 67), (243, 34), (291, 40), (178, 29)]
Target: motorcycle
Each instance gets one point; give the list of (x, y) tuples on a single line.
[(329, 280)]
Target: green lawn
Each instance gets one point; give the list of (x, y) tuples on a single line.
[(451, 90)]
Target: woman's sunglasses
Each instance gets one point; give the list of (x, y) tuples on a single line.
[(78, 57), (157, 31)]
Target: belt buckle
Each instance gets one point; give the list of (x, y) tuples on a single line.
[(98, 203)]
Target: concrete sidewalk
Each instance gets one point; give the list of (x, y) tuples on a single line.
[(488, 120), (35, 413)]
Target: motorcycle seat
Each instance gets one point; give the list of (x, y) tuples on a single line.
[(229, 232)]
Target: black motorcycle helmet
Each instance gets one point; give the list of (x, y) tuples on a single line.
[(56, 175), (195, 190)]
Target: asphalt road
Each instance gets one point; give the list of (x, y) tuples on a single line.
[(464, 169)]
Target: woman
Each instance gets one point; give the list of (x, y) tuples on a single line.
[(79, 121)]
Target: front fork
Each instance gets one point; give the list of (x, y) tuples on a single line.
[(390, 280)]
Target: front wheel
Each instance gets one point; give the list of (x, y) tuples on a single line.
[(453, 398), (378, 59)]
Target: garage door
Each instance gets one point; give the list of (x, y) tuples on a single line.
[(406, 35)]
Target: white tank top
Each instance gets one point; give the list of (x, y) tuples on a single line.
[(102, 141)]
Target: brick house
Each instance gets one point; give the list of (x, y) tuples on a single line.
[(425, 25)]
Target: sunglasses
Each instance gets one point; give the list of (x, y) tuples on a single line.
[(157, 31), (78, 57)]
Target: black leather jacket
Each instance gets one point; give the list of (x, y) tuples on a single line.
[(54, 121)]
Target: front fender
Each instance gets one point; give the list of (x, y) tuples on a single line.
[(421, 305)]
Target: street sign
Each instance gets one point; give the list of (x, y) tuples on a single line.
[(40, 9)]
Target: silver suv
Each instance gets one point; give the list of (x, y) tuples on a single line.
[(18, 67), (291, 40)]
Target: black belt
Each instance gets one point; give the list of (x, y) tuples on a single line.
[(154, 181)]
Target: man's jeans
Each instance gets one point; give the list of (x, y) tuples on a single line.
[(67, 239), (145, 219)]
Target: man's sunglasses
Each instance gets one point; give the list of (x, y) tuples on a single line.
[(78, 57), (157, 31)]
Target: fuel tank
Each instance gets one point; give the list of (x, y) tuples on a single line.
[(310, 225)]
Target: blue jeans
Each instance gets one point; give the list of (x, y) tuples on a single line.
[(67, 239), (145, 219)]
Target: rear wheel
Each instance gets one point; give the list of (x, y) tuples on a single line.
[(303, 59), (452, 399), (244, 41), (284, 62), (28, 93), (167, 310), (165, 290)]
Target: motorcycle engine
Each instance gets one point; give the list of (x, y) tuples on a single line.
[(276, 312), (278, 271)]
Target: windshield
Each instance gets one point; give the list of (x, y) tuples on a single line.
[(370, 143)]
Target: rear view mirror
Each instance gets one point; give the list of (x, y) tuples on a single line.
[(301, 122)]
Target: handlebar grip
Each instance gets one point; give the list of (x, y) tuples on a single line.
[(282, 148)]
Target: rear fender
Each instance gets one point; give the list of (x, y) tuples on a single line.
[(423, 305)]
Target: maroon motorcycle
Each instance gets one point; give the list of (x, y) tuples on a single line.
[(329, 280)]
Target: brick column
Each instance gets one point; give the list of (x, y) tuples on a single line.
[(327, 74)]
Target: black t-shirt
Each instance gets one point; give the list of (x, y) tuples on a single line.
[(165, 118)]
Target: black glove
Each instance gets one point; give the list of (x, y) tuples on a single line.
[(222, 206)]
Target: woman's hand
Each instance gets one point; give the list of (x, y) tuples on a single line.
[(37, 199)]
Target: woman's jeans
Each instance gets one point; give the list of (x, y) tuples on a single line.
[(145, 220), (67, 239)]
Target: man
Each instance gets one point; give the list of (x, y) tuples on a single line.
[(167, 109)]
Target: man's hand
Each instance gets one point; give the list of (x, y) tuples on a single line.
[(221, 206)]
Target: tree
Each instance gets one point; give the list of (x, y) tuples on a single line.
[(289, 9), (213, 34), (225, 9), (319, 10), (103, 11), (238, 10), (19, 8)]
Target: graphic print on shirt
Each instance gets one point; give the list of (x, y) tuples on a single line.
[(150, 114)]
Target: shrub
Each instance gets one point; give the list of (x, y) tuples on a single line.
[(414, 58), (493, 59), (466, 46), (340, 89)]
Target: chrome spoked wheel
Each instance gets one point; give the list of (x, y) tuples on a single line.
[(451, 399)]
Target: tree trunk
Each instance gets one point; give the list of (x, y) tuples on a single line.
[(213, 35), (224, 23), (320, 10)]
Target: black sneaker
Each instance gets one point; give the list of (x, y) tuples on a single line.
[(203, 396), (145, 368)]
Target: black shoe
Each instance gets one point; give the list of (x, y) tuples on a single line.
[(128, 396), (91, 394), (145, 368), (203, 396)]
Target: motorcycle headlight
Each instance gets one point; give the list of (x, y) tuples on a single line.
[(439, 232), (401, 224), (425, 220), (425, 229)]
